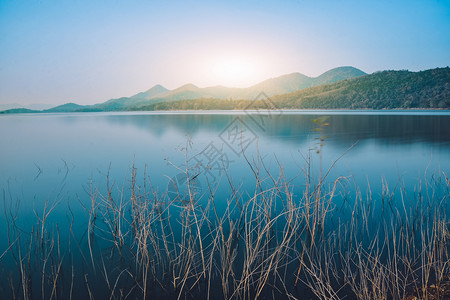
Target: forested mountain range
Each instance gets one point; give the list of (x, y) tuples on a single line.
[(339, 88), (274, 86), (428, 89)]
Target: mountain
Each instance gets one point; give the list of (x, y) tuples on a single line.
[(381, 90), (428, 89), (19, 111), (296, 81), (338, 74), (273, 86), (68, 107), (187, 91), (121, 103), (151, 93), (339, 88), (282, 85)]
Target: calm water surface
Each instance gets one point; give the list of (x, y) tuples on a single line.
[(57, 156), (62, 158), (42, 153)]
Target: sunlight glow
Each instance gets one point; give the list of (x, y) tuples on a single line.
[(234, 71)]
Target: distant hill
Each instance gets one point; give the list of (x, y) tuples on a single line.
[(339, 88), (151, 93), (296, 81), (280, 85), (273, 86), (19, 111), (381, 90), (338, 74), (123, 102), (187, 91), (68, 107)]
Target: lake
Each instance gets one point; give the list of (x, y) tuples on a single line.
[(42, 153), (65, 159)]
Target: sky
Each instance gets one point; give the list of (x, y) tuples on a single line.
[(87, 52)]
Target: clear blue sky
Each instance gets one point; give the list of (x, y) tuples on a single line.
[(91, 51)]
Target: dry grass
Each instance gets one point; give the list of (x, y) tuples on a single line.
[(279, 241)]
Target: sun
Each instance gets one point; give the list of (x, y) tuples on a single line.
[(234, 71)]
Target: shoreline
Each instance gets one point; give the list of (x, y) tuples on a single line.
[(395, 111)]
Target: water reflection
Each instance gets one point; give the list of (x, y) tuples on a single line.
[(343, 129)]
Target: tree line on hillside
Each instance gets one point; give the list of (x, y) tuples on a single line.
[(428, 89), (381, 90)]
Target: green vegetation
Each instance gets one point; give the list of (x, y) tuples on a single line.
[(382, 90), (68, 107), (19, 111), (196, 104)]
